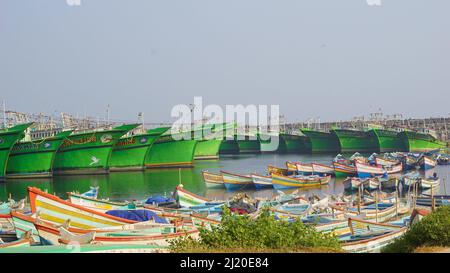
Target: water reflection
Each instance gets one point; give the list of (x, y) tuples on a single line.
[(141, 184)]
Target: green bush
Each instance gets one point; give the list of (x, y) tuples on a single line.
[(433, 230), (262, 233)]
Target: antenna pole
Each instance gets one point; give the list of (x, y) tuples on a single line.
[(4, 113)]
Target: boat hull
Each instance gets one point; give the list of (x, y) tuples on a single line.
[(34, 159), (8, 138), (207, 149), (129, 153), (388, 141), (229, 147), (166, 152), (262, 182), (248, 144), (235, 182), (321, 142), (88, 153), (356, 141), (343, 170), (418, 142), (295, 143)]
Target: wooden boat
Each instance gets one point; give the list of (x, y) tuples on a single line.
[(50, 232), (321, 169), (371, 184), (26, 241), (6, 222), (352, 183), (410, 179), (344, 169), (272, 169), (385, 161), (365, 170), (304, 168), (389, 183), (290, 211), (236, 181), (427, 163), (291, 166), (98, 204), (380, 212), (282, 182), (262, 181), (367, 236), (417, 215), (81, 239), (426, 200), (430, 182), (186, 199), (212, 179), (56, 210)]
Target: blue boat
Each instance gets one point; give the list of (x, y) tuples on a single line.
[(262, 182)]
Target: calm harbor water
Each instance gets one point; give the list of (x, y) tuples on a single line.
[(140, 185)]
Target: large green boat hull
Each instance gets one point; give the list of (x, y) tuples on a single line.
[(34, 159), (418, 142), (229, 146), (207, 149), (271, 143), (388, 141), (129, 153), (88, 153), (322, 142), (8, 138), (248, 144), (356, 141), (168, 152), (295, 143)]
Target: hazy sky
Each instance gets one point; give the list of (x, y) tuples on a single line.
[(315, 58)]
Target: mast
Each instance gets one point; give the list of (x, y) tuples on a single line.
[(4, 114)]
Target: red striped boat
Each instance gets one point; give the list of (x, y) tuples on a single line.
[(365, 170), (322, 169), (344, 169)]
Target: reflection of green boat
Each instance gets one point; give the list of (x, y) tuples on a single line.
[(356, 141), (88, 153), (387, 140), (420, 142), (9, 137), (171, 150), (130, 152), (29, 159), (321, 142)]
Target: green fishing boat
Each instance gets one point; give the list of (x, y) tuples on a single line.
[(9, 137), (352, 140), (229, 146), (420, 142), (295, 143), (32, 159), (88, 152), (321, 142), (388, 140), (130, 152), (171, 150), (271, 143), (248, 144), (209, 146)]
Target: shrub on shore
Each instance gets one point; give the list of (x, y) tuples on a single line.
[(263, 234), (432, 231)]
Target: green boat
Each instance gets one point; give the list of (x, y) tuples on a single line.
[(32, 159), (248, 144), (9, 137), (321, 142), (209, 146), (351, 140), (271, 143), (171, 151), (295, 143), (420, 142), (388, 140), (130, 153), (229, 146), (88, 152)]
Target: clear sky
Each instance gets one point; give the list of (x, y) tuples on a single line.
[(315, 58)]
